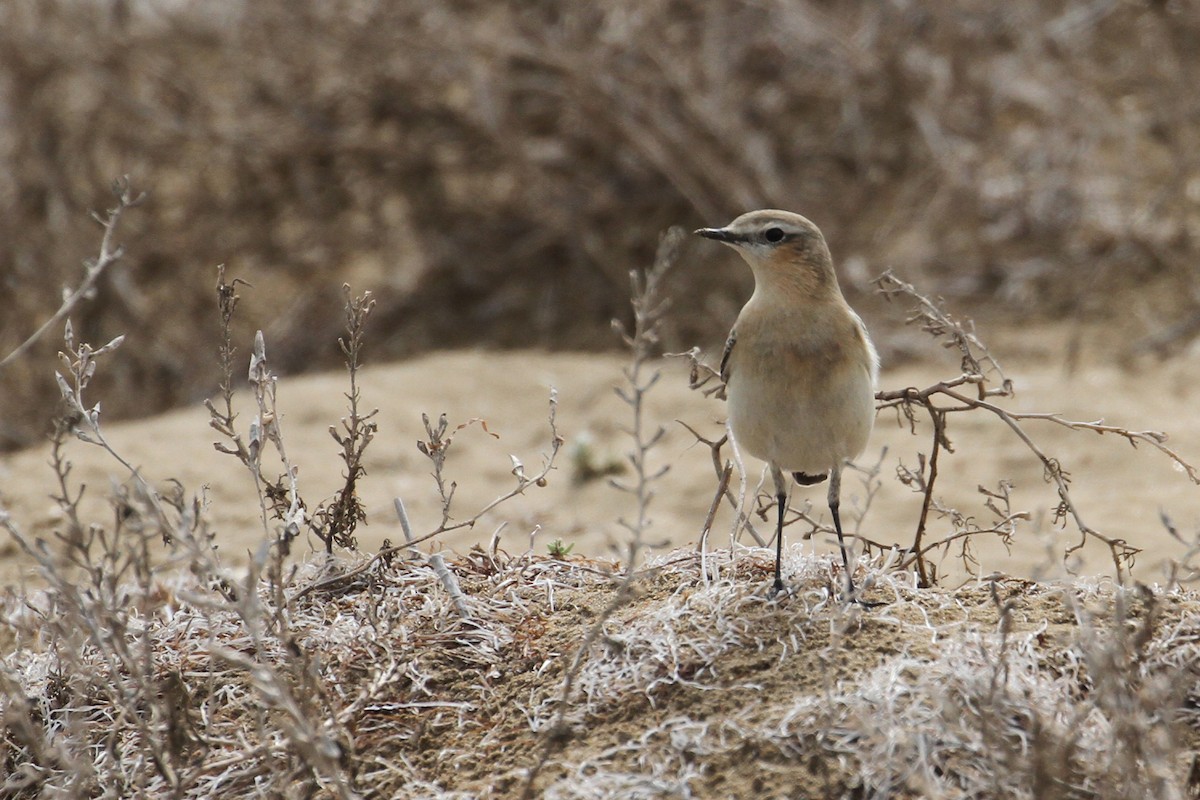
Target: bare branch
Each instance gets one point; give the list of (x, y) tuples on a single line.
[(110, 253)]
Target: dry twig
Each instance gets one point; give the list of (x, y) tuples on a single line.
[(978, 366), (110, 253), (649, 306)]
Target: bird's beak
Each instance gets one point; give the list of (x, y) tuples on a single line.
[(720, 234)]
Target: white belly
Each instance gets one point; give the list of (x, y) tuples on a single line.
[(807, 426)]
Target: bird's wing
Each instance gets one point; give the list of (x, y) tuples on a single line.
[(725, 356)]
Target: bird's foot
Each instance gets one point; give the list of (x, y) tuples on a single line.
[(852, 596)]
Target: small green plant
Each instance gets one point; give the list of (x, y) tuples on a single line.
[(588, 464), (559, 549)]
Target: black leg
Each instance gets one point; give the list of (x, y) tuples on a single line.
[(781, 499), (781, 488), (837, 526), (835, 501)]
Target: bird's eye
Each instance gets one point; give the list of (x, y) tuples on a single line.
[(774, 235)]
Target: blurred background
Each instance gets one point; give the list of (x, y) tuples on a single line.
[(493, 170)]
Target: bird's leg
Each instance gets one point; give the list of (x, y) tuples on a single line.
[(835, 500), (781, 500)]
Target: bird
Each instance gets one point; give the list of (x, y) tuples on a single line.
[(799, 367)]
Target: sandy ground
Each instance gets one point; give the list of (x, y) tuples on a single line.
[(1120, 490)]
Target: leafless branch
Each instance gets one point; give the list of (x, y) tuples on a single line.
[(110, 253)]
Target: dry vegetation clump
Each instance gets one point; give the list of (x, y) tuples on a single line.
[(512, 161), (697, 687)]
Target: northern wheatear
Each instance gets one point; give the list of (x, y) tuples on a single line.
[(799, 367)]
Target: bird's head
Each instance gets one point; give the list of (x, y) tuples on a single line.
[(779, 246)]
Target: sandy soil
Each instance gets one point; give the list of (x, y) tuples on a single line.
[(1120, 490)]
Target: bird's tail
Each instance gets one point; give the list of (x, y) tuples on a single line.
[(808, 480)]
